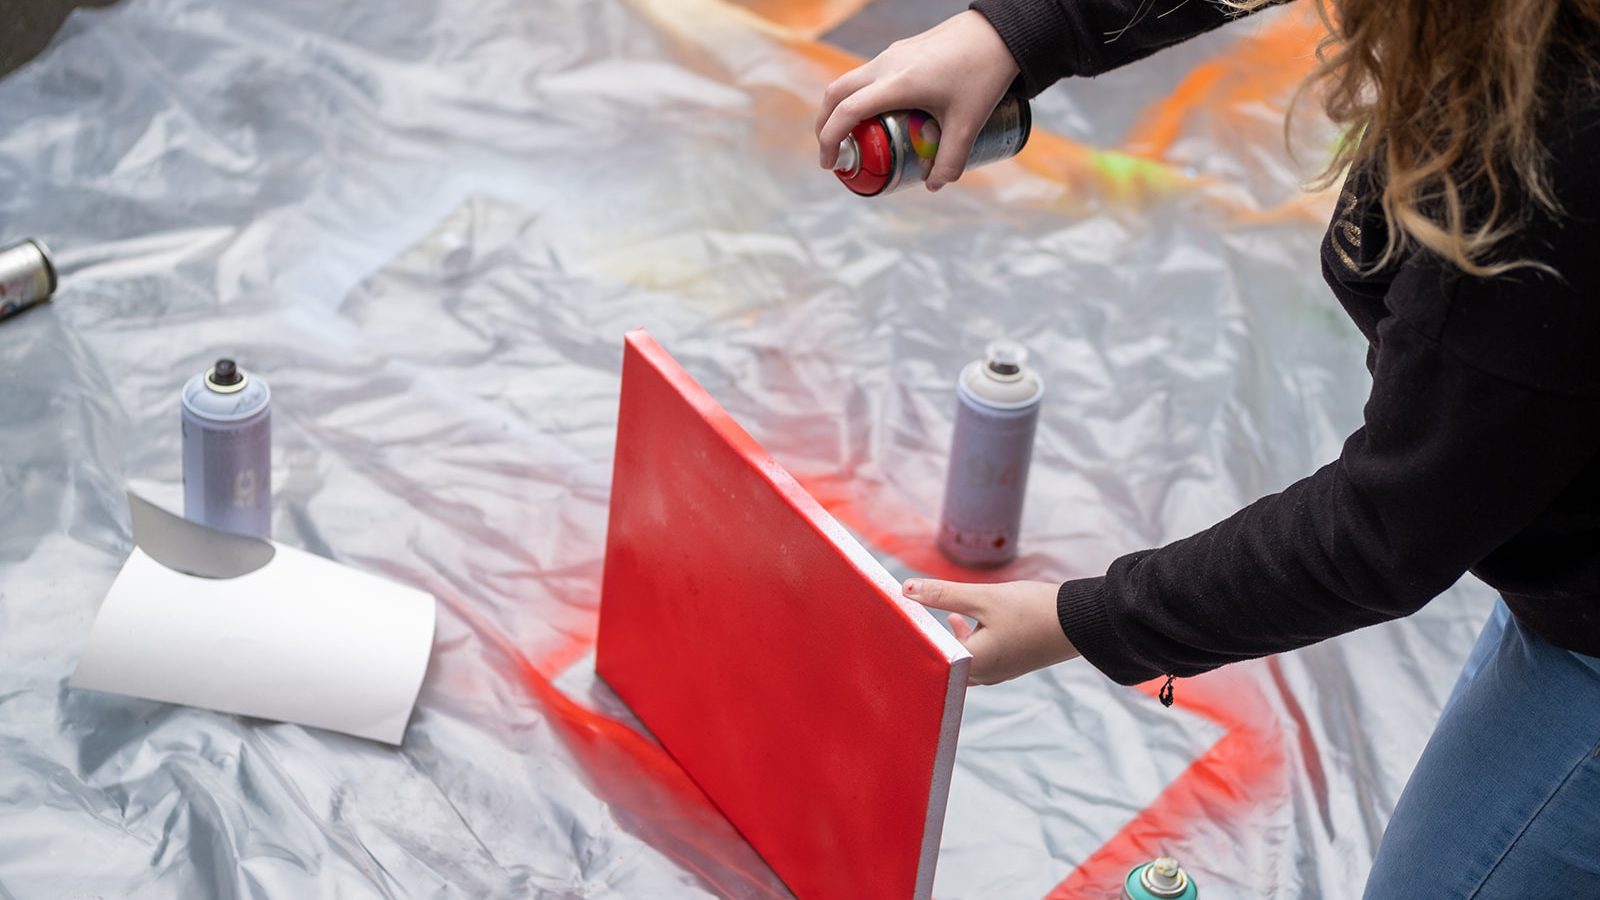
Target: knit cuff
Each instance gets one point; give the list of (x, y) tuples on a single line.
[(1041, 44), (1081, 609)]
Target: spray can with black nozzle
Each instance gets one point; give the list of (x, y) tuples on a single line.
[(1160, 879), (997, 413), (896, 149), (227, 450)]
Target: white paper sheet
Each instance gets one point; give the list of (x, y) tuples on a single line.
[(301, 639)]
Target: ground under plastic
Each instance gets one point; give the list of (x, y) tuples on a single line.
[(429, 223)]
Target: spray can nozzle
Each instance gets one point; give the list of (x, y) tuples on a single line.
[(1162, 879), (849, 162), (225, 377), (1005, 360), (1164, 876)]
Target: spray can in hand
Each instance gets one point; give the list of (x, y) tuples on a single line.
[(1161, 879), (227, 450), (997, 413), (896, 150)]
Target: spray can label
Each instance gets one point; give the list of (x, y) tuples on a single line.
[(227, 453), (26, 277), (990, 453), (1002, 136)]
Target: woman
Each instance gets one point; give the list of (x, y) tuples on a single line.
[(1466, 247)]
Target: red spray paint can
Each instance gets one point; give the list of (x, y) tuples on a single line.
[(896, 150)]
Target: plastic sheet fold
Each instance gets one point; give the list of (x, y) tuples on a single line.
[(428, 226)]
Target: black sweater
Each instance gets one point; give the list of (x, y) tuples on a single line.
[(1480, 448)]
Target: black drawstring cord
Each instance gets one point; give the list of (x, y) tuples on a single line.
[(1165, 696)]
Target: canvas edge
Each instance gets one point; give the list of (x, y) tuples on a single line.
[(629, 348), (944, 760)]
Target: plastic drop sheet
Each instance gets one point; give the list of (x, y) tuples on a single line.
[(428, 225)]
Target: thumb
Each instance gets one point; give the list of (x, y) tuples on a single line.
[(966, 599)]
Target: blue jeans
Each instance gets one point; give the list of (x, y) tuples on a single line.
[(1505, 802)]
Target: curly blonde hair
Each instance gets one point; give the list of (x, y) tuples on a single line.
[(1445, 98)]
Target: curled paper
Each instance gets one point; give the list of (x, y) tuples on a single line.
[(209, 619)]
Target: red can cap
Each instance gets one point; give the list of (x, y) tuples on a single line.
[(877, 159)]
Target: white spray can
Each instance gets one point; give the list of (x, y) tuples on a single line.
[(997, 414), (227, 450)]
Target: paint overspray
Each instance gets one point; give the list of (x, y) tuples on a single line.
[(27, 277), (1244, 775), (997, 414), (227, 450), (647, 792), (895, 150)]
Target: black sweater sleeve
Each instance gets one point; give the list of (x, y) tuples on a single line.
[(1485, 407), (1052, 39)]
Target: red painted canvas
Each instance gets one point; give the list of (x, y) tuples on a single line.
[(770, 654)]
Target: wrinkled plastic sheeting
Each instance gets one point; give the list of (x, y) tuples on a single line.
[(428, 225)]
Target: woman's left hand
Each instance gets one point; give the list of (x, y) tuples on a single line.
[(1016, 632)]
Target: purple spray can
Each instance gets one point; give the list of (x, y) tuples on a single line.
[(996, 415), (227, 450)]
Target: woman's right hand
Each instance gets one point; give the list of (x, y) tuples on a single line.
[(956, 71)]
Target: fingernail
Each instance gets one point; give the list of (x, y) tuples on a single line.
[(912, 587)]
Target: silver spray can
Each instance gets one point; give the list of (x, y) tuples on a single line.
[(227, 450), (996, 417), (896, 149), (27, 277)]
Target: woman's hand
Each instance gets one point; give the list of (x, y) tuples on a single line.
[(955, 71), (1017, 630)]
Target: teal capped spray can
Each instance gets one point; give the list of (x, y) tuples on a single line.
[(1160, 879)]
